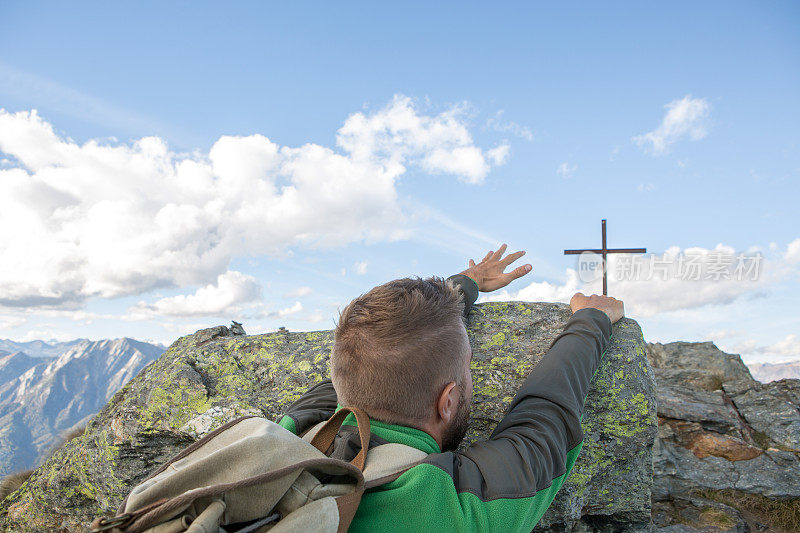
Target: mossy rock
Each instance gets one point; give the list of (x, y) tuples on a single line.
[(208, 378)]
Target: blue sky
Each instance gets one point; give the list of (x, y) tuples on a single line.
[(515, 123)]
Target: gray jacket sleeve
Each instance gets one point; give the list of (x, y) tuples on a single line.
[(468, 287)]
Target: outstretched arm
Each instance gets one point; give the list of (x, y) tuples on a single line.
[(509, 481)]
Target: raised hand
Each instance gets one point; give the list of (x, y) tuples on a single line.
[(489, 275)]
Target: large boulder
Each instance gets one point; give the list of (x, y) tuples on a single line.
[(208, 378), (727, 457)]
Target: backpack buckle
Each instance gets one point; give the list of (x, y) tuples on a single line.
[(105, 524)]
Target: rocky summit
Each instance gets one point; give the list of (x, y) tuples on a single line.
[(213, 376), (727, 457)]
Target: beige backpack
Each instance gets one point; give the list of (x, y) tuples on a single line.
[(252, 475)]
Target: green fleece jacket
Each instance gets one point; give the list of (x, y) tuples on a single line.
[(503, 484)]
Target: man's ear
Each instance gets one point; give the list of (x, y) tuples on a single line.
[(447, 403)]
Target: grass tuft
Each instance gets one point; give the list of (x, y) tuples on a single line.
[(12, 482), (779, 515)]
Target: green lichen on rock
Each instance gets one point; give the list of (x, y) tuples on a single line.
[(208, 378)]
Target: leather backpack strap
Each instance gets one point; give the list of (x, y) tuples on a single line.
[(347, 506), (324, 437), (348, 503)]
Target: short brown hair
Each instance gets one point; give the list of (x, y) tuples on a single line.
[(397, 346)]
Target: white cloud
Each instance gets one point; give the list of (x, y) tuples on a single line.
[(565, 170), (80, 221), (299, 292), (792, 254), (8, 322), (499, 154), (183, 329), (46, 335), (398, 134), (789, 346), (684, 117), (497, 123), (645, 187), (360, 268), (288, 311), (540, 291), (227, 296), (721, 334), (786, 349)]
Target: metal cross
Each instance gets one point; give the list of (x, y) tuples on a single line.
[(604, 251)]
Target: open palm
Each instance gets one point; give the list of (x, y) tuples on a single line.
[(489, 273)]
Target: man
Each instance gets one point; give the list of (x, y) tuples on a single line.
[(401, 353)]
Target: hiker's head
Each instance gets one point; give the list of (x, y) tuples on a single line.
[(401, 353)]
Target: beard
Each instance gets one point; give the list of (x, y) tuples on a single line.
[(455, 432)]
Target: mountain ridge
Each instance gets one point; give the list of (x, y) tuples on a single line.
[(51, 395), (37, 348), (767, 372), (15, 364)]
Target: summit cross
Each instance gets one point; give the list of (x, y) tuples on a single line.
[(604, 251)]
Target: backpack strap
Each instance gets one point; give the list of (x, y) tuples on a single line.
[(385, 462), (327, 433), (323, 439)]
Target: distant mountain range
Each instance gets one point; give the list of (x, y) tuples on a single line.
[(766, 372), (46, 389), (37, 348)]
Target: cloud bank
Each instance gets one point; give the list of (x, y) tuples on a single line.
[(95, 220)]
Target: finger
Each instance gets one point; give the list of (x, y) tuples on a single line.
[(519, 272), (471, 263), (487, 256), (511, 258), (500, 251)]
